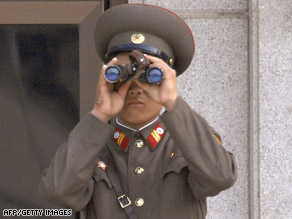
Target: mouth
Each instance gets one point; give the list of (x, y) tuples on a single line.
[(135, 102)]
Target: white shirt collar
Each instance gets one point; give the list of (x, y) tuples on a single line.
[(117, 121)]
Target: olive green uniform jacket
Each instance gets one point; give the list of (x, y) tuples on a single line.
[(174, 178)]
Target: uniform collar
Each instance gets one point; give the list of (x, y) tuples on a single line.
[(151, 133), (140, 129)]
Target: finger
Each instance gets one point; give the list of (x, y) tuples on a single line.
[(102, 80), (157, 65), (112, 62), (110, 86), (153, 58)]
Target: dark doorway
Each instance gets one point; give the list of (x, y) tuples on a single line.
[(39, 96)]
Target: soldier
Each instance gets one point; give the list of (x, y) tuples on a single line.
[(124, 159)]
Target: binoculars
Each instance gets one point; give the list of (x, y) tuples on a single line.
[(138, 69)]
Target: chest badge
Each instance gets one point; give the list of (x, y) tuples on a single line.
[(101, 165)]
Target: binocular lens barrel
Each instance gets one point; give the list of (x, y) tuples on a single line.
[(139, 68), (112, 74), (154, 75), (115, 73)]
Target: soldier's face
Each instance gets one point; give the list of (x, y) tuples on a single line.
[(139, 108)]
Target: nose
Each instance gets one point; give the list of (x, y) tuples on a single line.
[(135, 89)]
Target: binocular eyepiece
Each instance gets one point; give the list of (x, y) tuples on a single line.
[(138, 69)]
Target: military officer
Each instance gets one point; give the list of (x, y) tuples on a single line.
[(166, 164)]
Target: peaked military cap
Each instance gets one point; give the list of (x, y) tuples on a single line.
[(151, 29)]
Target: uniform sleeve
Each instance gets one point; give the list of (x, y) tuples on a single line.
[(211, 168), (68, 181)]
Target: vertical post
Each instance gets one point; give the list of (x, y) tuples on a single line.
[(253, 68)]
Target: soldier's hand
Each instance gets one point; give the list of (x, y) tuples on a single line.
[(108, 102), (166, 92)]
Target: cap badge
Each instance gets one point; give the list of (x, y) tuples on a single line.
[(137, 38)]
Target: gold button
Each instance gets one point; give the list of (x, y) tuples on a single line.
[(139, 143), (139, 170), (139, 202)]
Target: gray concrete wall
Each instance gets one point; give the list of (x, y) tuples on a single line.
[(240, 80), (275, 108)]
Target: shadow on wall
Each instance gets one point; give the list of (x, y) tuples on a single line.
[(39, 96)]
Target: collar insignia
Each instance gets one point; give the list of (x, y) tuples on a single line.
[(155, 136), (121, 139)]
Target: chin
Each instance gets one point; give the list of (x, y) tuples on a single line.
[(136, 117), (134, 123)]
